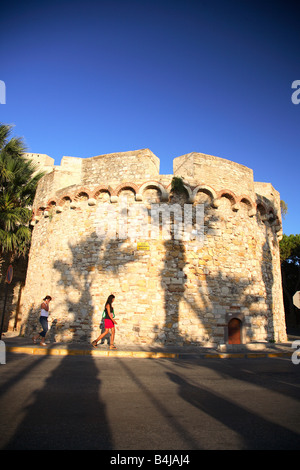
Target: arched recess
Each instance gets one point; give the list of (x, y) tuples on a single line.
[(272, 217), (249, 204), (82, 195), (182, 197), (51, 207), (126, 185), (127, 191), (228, 195), (162, 193), (40, 210), (51, 204), (65, 201), (102, 194), (261, 211), (190, 193), (207, 191)]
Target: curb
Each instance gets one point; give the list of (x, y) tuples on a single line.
[(142, 354), (83, 352)]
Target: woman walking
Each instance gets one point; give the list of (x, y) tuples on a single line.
[(109, 323), (44, 320)]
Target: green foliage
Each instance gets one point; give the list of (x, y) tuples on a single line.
[(290, 248), (284, 208), (17, 190), (290, 271), (177, 185)]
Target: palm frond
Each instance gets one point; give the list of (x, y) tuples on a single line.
[(18, 182)]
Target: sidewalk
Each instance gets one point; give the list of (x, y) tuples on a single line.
[(20, 345)]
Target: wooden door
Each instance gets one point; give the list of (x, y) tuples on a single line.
[(234, 331)]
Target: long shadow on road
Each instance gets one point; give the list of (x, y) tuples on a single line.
[(65, 413)]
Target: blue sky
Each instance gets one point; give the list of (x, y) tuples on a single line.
[(90, 78)]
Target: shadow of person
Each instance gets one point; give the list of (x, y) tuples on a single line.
[(52, 331), (106, 338), (66, 411)]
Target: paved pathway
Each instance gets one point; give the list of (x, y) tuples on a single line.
[(17, 344)]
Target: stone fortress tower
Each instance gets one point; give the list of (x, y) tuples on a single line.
[(224, 288)]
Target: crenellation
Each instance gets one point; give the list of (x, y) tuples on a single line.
[(42, 161), (217, 172), (132, 166)]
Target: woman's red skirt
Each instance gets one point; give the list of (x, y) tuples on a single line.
[(108, 323)]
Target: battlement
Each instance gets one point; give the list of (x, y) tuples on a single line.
[(113, 168), (216, 172), (106, 177)]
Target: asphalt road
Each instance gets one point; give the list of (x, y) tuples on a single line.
[(119, 404)]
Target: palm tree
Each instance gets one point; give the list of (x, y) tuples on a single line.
[(18, 182)]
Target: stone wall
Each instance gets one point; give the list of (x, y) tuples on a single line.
[(170, 290)]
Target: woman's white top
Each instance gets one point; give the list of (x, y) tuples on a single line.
[(44, 313)]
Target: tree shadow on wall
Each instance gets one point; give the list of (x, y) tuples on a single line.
[(207, 303), (86, 285), (208, 306), (267, 263)]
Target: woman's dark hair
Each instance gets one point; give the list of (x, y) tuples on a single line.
[(109, 299), (47, 297)]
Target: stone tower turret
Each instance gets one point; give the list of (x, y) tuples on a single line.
[(171, 288)]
